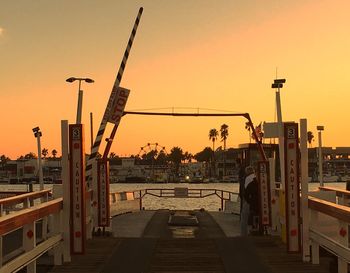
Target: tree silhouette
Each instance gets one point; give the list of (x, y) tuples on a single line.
[(224, 135), (204, 156), (162, 158), (213, 136), (310, 138), (176, 156), (4, 159), (54, 153), (44, 152), (30, 155), (188, 156)]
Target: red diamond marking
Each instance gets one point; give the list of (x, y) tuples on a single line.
[(77, 234), (342, 232), (30, 234), (293, 232)]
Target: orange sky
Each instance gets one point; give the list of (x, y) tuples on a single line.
[(190, 53)]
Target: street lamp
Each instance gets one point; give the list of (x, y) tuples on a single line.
[(320, 163), (277, 84), (38, 134), (80, 95)]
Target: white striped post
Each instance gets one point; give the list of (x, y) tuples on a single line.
[(101, 130), (304, 191), (66, 191)]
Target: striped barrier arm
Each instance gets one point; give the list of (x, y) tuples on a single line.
[(101, 130)]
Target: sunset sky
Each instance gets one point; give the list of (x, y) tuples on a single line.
[(187, 53)]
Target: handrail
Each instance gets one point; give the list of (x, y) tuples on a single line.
[(18, 219), (330, 244), (171, 190), (22, 197), (224, 195), (339, 192), (335, 210), (30, 256)]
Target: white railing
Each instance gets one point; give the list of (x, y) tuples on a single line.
[(329, 224), (124, 202), (21, 201), (21, 226)]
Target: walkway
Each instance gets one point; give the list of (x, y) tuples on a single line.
[(184, 246)]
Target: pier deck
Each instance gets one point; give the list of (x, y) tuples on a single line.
[(152, 245)]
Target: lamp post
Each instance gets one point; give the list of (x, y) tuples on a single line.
[(320, 158), (38, 134), (277, 84), (80, 95)]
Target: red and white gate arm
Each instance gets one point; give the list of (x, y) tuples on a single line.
[(96, 145)]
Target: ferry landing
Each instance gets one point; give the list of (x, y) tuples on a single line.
[(165, 241)]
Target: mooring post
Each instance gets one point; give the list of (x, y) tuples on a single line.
[(222, 200), (140, 200)]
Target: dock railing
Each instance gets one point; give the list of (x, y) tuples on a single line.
[(30, 229), (329, 226), (25, 200), (124, 202)]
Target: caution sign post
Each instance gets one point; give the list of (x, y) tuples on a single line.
[(264, 193), (103, 192), (77, 188), (291, 147)]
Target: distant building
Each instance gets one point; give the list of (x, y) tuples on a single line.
[(26, 170), (336, 166)]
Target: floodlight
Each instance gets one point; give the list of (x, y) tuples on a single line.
[(277, 85), (279, 81), (72, 79)]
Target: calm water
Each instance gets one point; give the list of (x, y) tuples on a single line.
[(149, 202)]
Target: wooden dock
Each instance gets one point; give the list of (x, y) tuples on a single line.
[(157, 251), (98, 251)]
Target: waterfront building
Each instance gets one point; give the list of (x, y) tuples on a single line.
[(336, 167)]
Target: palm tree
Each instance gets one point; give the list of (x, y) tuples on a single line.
[(188, 156), (224, 135), (213, 136), (45, 152), (176, 156), (310, 138), (54, 153)]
